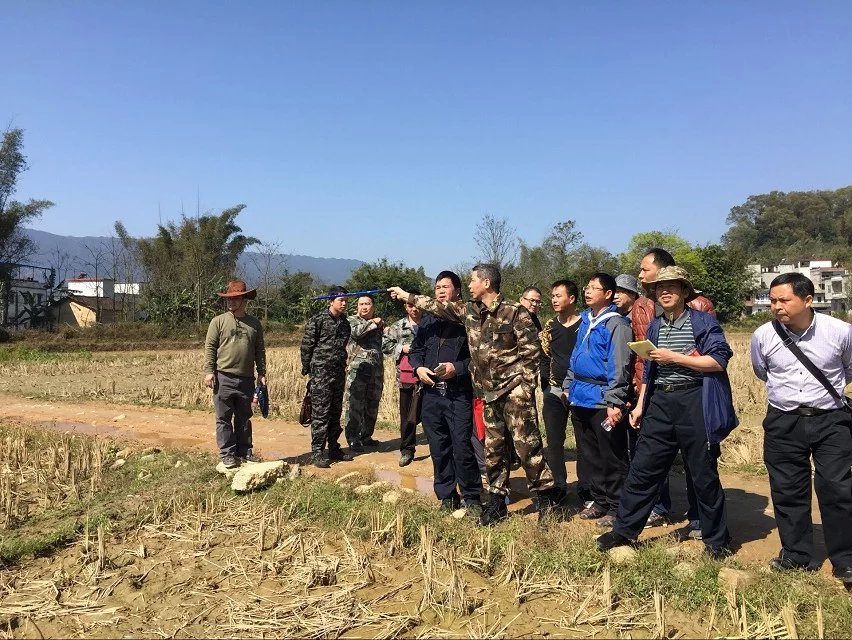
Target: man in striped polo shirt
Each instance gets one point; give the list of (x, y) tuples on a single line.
[(686, 370)]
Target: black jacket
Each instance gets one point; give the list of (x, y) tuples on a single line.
[(424, 348)]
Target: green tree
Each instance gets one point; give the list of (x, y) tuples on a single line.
[(540, 265), (383, 274), (14, 245), (587, 260), (685, 254), (725, 280), (292, 301), (191, 259), (773, 226)]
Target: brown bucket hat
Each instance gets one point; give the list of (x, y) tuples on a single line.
[(669, 274), (238, 289)]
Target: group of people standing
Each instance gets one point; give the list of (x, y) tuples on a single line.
[(469, 372)]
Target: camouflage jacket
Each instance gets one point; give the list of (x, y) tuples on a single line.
[(324, 342), (365, 342), (504, 345), (401, 333)]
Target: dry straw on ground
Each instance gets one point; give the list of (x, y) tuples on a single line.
[(174, 379)]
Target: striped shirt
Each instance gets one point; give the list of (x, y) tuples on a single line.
[(677, 336), (827, 342)]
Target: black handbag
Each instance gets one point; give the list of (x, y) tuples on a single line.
[(307, 408), (810, 366)]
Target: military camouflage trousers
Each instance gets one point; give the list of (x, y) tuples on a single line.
[(514, 413), (364, 384)]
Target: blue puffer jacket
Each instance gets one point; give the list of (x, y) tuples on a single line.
[(601, 367), (719, 416)]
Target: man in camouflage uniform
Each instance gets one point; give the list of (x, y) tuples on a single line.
[(505, 352), (397, 344), (323, 354), (365, 376)]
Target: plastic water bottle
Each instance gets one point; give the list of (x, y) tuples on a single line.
[(607, 424)]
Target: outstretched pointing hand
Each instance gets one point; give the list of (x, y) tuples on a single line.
[(398, 293)]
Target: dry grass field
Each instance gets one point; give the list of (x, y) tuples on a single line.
[(157, 546), (174, 379)]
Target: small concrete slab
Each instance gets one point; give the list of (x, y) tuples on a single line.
[(391, 497), (621, 555), (252, 476), (734, 579)]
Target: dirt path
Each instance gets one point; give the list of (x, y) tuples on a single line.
[(750, 516)]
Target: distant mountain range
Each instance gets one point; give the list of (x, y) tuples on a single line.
[(81, 252)]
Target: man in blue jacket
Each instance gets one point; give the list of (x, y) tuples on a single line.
[(598, 389), (685, 404), (440, 357)]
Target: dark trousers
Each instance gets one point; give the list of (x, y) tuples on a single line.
[(663, 504), (674, 420), (232, 402), (448, 423), (789, 442), (555, 415), (602, 456), (410, 405), (327, 386)]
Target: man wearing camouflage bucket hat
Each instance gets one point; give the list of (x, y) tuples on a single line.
[(685, 404), (233, 350)]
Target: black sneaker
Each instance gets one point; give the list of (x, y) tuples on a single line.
[(371, 442), (231, 462), (658, 520), (338, 455), (719, 553), (405, 458), (495, 511), (356, 447), (611, 540), (320, 461), (451, 504), (786, 564), (250, 457), (844, 574), (688, 533)]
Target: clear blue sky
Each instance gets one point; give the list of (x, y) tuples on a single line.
[(368, 129)]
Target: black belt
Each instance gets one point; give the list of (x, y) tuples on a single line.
[(590, 380), (678, 386), (807, 411)]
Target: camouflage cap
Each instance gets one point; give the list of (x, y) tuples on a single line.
[(670, 274)]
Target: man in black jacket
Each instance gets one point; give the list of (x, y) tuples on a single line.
[(323, 354), (440, 356)]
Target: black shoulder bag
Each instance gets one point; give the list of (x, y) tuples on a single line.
[(810, 366)]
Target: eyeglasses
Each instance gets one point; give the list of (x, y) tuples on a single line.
[(532, 300), (591, 288)]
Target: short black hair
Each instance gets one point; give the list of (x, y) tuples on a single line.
[(802, 285), (414, 290), (490, 272), (335, 291), (452, 275), (662, 258), (606, 280), (528, 289), (368, 295), (570, 287)]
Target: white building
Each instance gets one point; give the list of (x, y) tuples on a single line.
[(831, 284)]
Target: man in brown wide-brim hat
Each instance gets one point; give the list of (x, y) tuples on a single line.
[(233, 349)]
